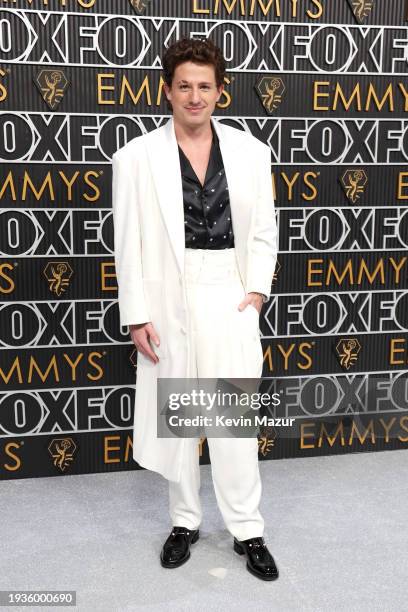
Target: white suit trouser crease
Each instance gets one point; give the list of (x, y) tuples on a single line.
[(223, 342)]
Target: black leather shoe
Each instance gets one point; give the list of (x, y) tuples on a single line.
[(259, 560), (176, 549)]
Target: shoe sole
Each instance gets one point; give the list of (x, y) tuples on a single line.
[(238, 549), (174, 565)]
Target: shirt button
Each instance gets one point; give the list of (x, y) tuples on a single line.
[(208, 206), (190, 207), (210, 239)]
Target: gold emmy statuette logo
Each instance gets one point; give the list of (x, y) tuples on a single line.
[(52, 85), (133, 358), (139, 5), (354, 183), (348, 350), (361, 9), (275, 273), (270, 91), (62, 451), (266, 440), (58, 274)]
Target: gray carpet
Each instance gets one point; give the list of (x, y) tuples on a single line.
[(337, 528)]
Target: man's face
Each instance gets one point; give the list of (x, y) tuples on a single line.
[(193, 93)]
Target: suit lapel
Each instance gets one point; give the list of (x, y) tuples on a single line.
[(163, 156), (162, 150)]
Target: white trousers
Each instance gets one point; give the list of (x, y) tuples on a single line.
[(223, 342)]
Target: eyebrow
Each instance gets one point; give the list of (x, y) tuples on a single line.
[(201, 83)]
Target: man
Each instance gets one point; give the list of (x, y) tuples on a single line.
[(195, 252)]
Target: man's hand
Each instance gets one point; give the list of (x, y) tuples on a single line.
[(141, 335), (252, 298)]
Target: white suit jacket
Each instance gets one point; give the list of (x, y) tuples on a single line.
[(149, 243)]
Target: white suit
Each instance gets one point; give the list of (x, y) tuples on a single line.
[(149, 257)]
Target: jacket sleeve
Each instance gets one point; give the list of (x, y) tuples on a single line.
[(127, 243), (262, 242)]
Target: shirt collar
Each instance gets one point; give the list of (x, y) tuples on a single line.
[(214, 163)]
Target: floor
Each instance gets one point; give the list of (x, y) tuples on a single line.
[(336, 526)]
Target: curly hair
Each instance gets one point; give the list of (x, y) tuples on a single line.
[(200, 51)]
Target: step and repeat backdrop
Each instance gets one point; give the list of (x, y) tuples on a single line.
[(324, 84)]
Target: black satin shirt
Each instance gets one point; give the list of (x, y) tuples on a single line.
[(207, 212)]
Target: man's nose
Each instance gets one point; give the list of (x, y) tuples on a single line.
[(195, 95)]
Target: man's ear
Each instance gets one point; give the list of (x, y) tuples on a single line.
[(166, 90)]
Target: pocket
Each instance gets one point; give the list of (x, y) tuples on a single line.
[(156, 303), (251, 307), (254, 319)]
